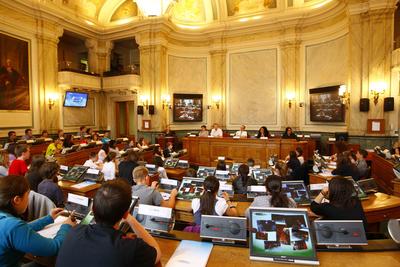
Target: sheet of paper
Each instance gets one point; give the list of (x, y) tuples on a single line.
[(83, 184), (77, 199), (318, 186), (190, 253), (50, 231), (376, 126)]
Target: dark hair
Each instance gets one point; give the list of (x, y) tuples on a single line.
[(19, 149), (250, 162), (49, 170), (287, 129), (294, 162), (363, 152), (68, 141), (106, 147), (11, 133), (111, 156), (343, 159), (341, 192), (190, 172), (273, 183), (27, 130), (112, 144), (352, 155), (132, 156), (97, 136), (266, 132), (92, 155), (203, 126), (111, 202), (37, 162), (243, 172), (44, 131), (10, 187), (158, 161), (88, 130), (82, 127), (221, 166), (140, 141), (208, 199), (299, 151)]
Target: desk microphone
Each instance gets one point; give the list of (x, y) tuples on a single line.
[(153, 219)]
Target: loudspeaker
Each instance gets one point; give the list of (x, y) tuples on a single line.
[(364, 104), (140, 110), (151, 109), (388, 104)]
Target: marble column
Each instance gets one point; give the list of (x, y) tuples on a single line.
[(103, 53), (93, 61), (218, 87)]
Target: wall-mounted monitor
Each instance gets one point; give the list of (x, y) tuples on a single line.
[(188, 107), (75, 99), (326, 105)]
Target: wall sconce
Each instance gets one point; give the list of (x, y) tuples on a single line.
[(216, 100), (166, 100), (377, 89), (52, 100), (344, 95), (290, 96), (145, 101)]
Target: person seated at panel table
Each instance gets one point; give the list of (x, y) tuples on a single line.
[(89, 131), (34, 176), (92, 162), (344, 167), (275, 197), (19, 237), (126, 167), (10, 145), (203, 131), (289, 134), (101, 244), (68, 141), (250, 162), (210, 204), (343, 202), (263, 132), (53, 148), (45, 134), (149, 195), (110, 166), (114, 148), (95, 137), (243, 180), (18, 166), (361, 163), (216, 131), (168, 150), (242, 133), (82, 131), (49, 187), (28, 135), (169, 132), (157, 152), (294, 167)]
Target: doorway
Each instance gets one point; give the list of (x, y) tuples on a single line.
[(125, 118)]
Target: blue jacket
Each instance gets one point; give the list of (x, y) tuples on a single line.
[(18, 237)]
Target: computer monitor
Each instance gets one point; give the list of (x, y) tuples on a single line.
[(154, 218), (203, 172), (182, 164), (281, 235), (167, 185), (235, 167), (75, 173), (225, 187), (171, 163), (63, 170), (190, 188), (315, 189), (256, 190), (223, 228), (93, 175), (260, 175), (369, 185), (360, 192), (80, 204), (151, 168), (297, 191), (340, 233), (222, 175)]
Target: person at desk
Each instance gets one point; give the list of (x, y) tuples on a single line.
[(49, 187), (216, 131), (114, 148), (34, 176), (18, 166), (169, 132), (361, 163), (54, 148), (28, 135), (263, 132), (203, 131), (221, 165), (102, 244), (126, 167), (68, 141), (18, 237), (12, 137), (150, 195), (45, 134), (168, 151), (105, 149), (60, 134), (344, 167), (299, 154), (396, 149), (89, 131), (242, 133), (82, 131), (289, 134), (343, 202), (243, 180), (105, 138), (92, 161), (294, 167), (95, 137), (160, 167), (109, 166), (340, 147), (142, 143), (10, 145)]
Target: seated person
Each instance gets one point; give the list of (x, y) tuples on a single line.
[(105, 149), (344, 167), (149, 195), (89, 131), (340, 147), (68, 141), (126, 167), (263, 132), (92, 161), (275, 197), (28, 135), (221, 165), (288, 134), (299, 154), (4, 163), (95, 137), (159, 166), (294, 167), (168, 131), (18, 166), (142, 143), (210, 204), (396, 149), (109, 166), (157, 152), (203, 132), (82, 131), (102, 244), (168, 151), (216, 131), (343, 202), (361, 163), (106, 138), (243, 180), (45, 134), (53, 148), (60, 134), (242, 133), (113, 148), (34, 176), (49, 187), (250, 162)]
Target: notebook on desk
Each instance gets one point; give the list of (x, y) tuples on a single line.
[(190, 254)]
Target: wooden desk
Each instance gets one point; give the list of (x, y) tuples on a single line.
[(176, 173), (76, 158), (396, 187), (163, 140), (332, 147), (235, 256), (88, 191), (204, 150), (382, 171), (38, 149)]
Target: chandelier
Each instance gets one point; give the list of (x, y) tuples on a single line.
[(153, 8)]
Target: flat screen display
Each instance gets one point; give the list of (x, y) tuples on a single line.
[(75, 99), (188, 107), (190, 188), (281, 235), (297, 191)]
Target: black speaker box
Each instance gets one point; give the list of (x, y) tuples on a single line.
[(140, 110), (151, 109), (388, 104), (364, 104)]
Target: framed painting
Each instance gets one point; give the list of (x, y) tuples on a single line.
[(326, 105), (14, 73)]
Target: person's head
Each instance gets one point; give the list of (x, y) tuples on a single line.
[(106, 134), (158, 162), (243, 173), (221, 165), (288, 131), (361, 154), (261, 130), (58, 142), (14, 194), (343, 159), (111, 156), (106, 147), (28, 132), (141, 175), (292, 155), (208, 198), (49, 170), (169, 145), (82, 128), (141, 141), (89, 131), (190, 172), (251, 162), (37, 162), (45, 133), (93, 156), (242, 127), (95, 137), (132, 156), (299, 151), (215, 126), (22, 151), (396, 144), (60, 133), (111, 202), (112, 144), (203, 128), (341, 192), (273, 184), (12, 135)]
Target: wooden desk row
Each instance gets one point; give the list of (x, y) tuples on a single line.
[(382, 171)]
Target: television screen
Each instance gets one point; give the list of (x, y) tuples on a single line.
[(326, 105), (281, 235), (188, 107), (75, 99), (297, 191), (190, 188)]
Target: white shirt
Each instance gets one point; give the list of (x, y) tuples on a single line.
[(109, 170), (220, 206), (102, 155), (162, 172), (241, 134), (89, 163), (216, 133)]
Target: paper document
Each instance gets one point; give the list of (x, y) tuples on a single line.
[(83, 184), (376, 126), (50, 231), (190, 253)]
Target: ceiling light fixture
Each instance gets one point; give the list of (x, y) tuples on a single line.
[(153, 8)]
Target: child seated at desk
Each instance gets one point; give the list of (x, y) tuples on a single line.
[(18, 166), (361, 163), (110, 166), (92, 161), (149, 195), (243, 180), (49, 186), (18, 237)]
